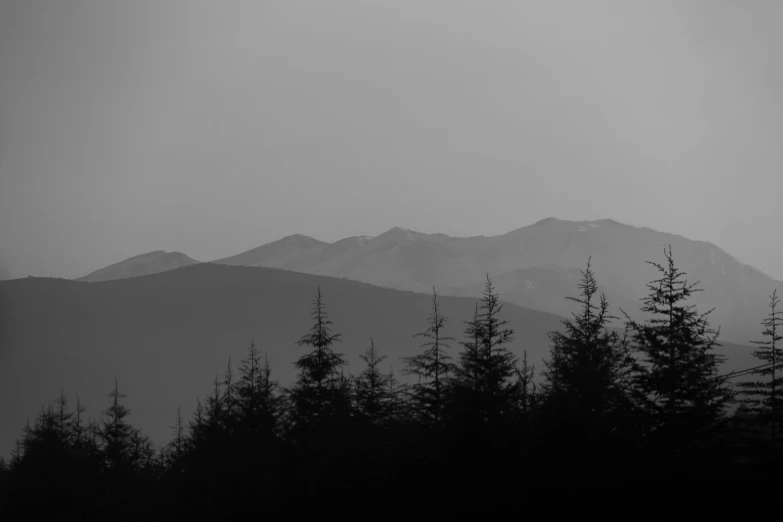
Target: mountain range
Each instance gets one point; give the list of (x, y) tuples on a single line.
[(536, 266), (166, 324)]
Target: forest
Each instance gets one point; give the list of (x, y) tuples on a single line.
[(477, 425)]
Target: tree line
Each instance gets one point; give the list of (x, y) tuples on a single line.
[(612, 408)]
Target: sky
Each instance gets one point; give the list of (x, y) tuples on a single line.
[(210, 128)]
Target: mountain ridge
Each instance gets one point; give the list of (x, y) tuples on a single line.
[(402, 258), (142, 264)]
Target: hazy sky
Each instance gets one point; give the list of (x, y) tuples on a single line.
[(212, 127)]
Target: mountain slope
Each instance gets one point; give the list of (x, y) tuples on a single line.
[(277, 253), (144, 264)]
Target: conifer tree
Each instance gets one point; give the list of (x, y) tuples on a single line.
[(396, 394), (197, 424), (271, 401), (762, 398), (469, 371), (677, 374), (371, 386), (229, 402), (487, 367), (248, 391), (76, 429), (434, 365), (527, 389), (178, 442), (320, 389), (586, 374), (117, 435), (215, 405), (64, 417), (94, 438)]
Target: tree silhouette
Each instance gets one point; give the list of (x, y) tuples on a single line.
[(320, 389), (487, 367), (527, 389), (433, 365), (677, 374), (179, 441), (116, 434), (590, 363), (762, 397), (371, 386), (586, 395)]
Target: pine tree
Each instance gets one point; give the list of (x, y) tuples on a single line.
[(585, 375), (434, 365), (677, 374), (396, 394), (271, 401), (763, 398), (229, 402), (215, 406), (371, 386), (527, 389), (76, 429), (20, 445), (64, 417), (248, 391), (178, 444), (259, 400), (116, 434), (469, 371), (197, 424), (487, 367), (320, 389)]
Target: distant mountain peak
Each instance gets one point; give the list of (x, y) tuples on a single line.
[(547, 220), (301, 238), (142, 264), (397, 233)]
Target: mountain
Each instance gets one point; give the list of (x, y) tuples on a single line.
[(167, 335), (409, 260), (277, 253), (144, 264)]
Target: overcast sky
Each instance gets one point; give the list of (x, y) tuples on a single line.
[(212, 127)]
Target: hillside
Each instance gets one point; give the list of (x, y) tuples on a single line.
[(144, 264), (277, 253)]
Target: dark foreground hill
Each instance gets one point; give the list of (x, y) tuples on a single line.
[(167, 336)]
